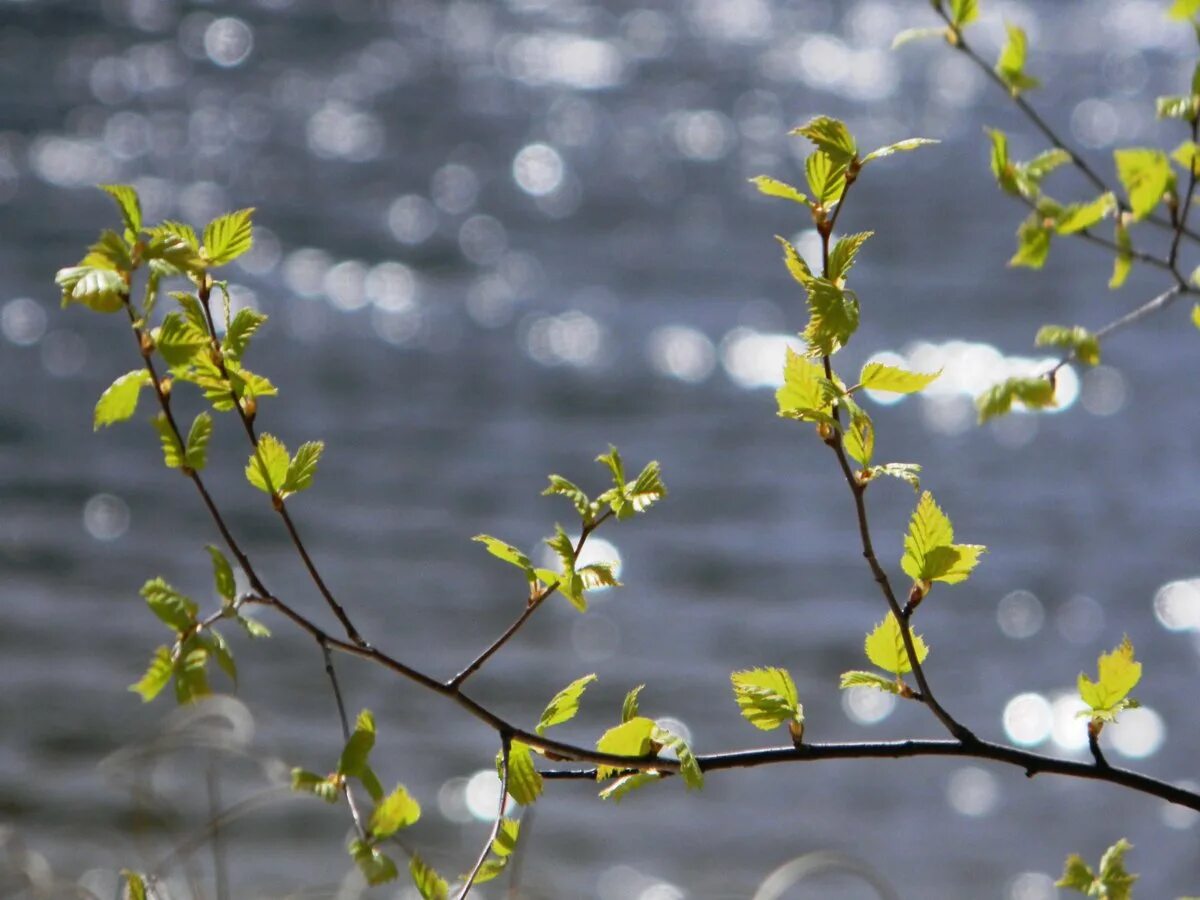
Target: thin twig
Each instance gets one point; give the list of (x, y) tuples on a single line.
[(505, 746), (1163, 300), (345, 721)]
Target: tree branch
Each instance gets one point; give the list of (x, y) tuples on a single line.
[(505, 746)]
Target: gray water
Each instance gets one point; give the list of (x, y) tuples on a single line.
[(494, 239)]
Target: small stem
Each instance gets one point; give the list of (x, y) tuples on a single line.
[(345, 722), (1162, 301), (505, 746), (1093, 733)]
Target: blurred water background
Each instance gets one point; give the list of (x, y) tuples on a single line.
[(495, 237)]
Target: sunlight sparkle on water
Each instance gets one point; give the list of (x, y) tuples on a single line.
[(866, 706), (1138, 733), (678, 351), (1069, 730), (1028, 719), (1020, 615), (482, 795), (973, 791), (1177, 605)]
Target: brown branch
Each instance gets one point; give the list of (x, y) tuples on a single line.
[(1162, 301), (505, 746)]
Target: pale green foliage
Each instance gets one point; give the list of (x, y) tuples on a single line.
[(524, 780), (395, 811), (626, 784), (429, 884), (826, 178), (1186, 156), (1035, 392), (241, 329), (964, 12), (119, 400), (227, 237), (904, 146), (906, 472), (881, 377), (1176, 107), (135, 885), (1113, 881), (157, 676), (565, 704), (565, 488), (326, 787), (885, 648), (376, 866), (631, 738), (843, 254), (1033, 243), (223, 579), (130, 207), (833, 317), (795, 262), (501, 851), (1082, 216), (506, 552), (1081, 343), (767, 697), (775, 188), (629, 707), (1184, 10), (1146, 176), (831, 137), (908, 35), (175, 610), (1108, 695), (279, 475), (930, 553), (1011, 65), (859, 678), (663, 739), (802, 395), (196, 453), (1123, 261), (859, 438), (99, 288)]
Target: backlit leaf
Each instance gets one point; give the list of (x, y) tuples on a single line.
[(964, 12), (176, 611), (157, 676), (376, 866), (801, 388), (1118, 674), (129, 205), (568, 489), (773, 188), (1082, 216), (795, 262), (1082, 344), (930, 553), (355, 754), (173, 455), (831, 137), (267, 469), (826, 178), (1033, 243), (397, 810), (880, 377), (629, 708), (119, 400), (223, 579), (833, 317), (1123, 261), (303, 467), (1146, 175), (322, 786), (630, 738), (1011, 65), (241, 329), (429, 884), (196, 455), (885, 647), (673, 744), (859, 438), (1035, 392), (859, 678), (227, 237), (626, 784), (908, 35), (767, 697), (565, 704), (843, 254), (908, 144), (524, 780)]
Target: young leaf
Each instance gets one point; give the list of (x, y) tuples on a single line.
[(1118, 674), (191, 679), (99, 288), (1082, 344), (157, 676), (831, 137), (909, 143), (505, 844), (325, 787), (842, 256), (908, 472), (358, 749), (772, 188), (565, 488), (376, 866), (223, 579), (689, 766), (626, 784), (303, 467), (795, 262), (1033, 243), (767, 697), (180, 341), (833, 317), (858, 678), (964, 12), (1082, 216), (1175, 108), (630, 738), (801, 391), (1113, 882), (196, 455), (228, 237), (930, 553), (129, 205), (879, 377), (564, 704), (397, 810), (268, 467), (135, 885), (1123, 261), (173, 455), (859, 438), (254, 628), (1146, 175), (241, 329), (1034, 392), (826, 178), (524, 780), (506, 552), (429, 884), (176, 611), (1184, 10), (1011, 65), (908, 35), (629, 708), (119, 400), (1187, 157), (885, 647), (646, 490)]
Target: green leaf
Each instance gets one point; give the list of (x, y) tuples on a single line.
[(767, 697), (624, 785), (909, 35), (964, 12), (135, 885), (859, 438), (826, 178), (833, 317), (908, 472), (98, 288), (491, 868), (1118, 674), (170, 255), (1082, 344), (1045, 163), (842, 256), (612, 459), (908, 144), (303, 468), (930, 553), (176, 611), (430, 885), (180, 341), (397, 810), (1082, 216), (325, 787), (1184, 10), (1076, 876), (196, 455), (119, 400), (570, 585), (1035, 392), (1196, 315), (885, 647), (1033, 243), (268, 467), (565, 704), (524, 780), (1117, 882), (191, 679), (689, 766), (376, 866), (180, 230), (1185, 154), (173, 455), (157, 676), (1176, 108), (254, 628), (795, 262), (1146, 175), (228, 237), (830, 137), (597, 575), (859, 678), (772, 188), (505, 843), (1011, 65), (629, 708), (801, 390), (241, 329), (358, 749), (1123, 261), (218, 648), (223, 579), (129, 205), (645, 490), (879, 377), (565, 488), (630, 738), (1002, 166)]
